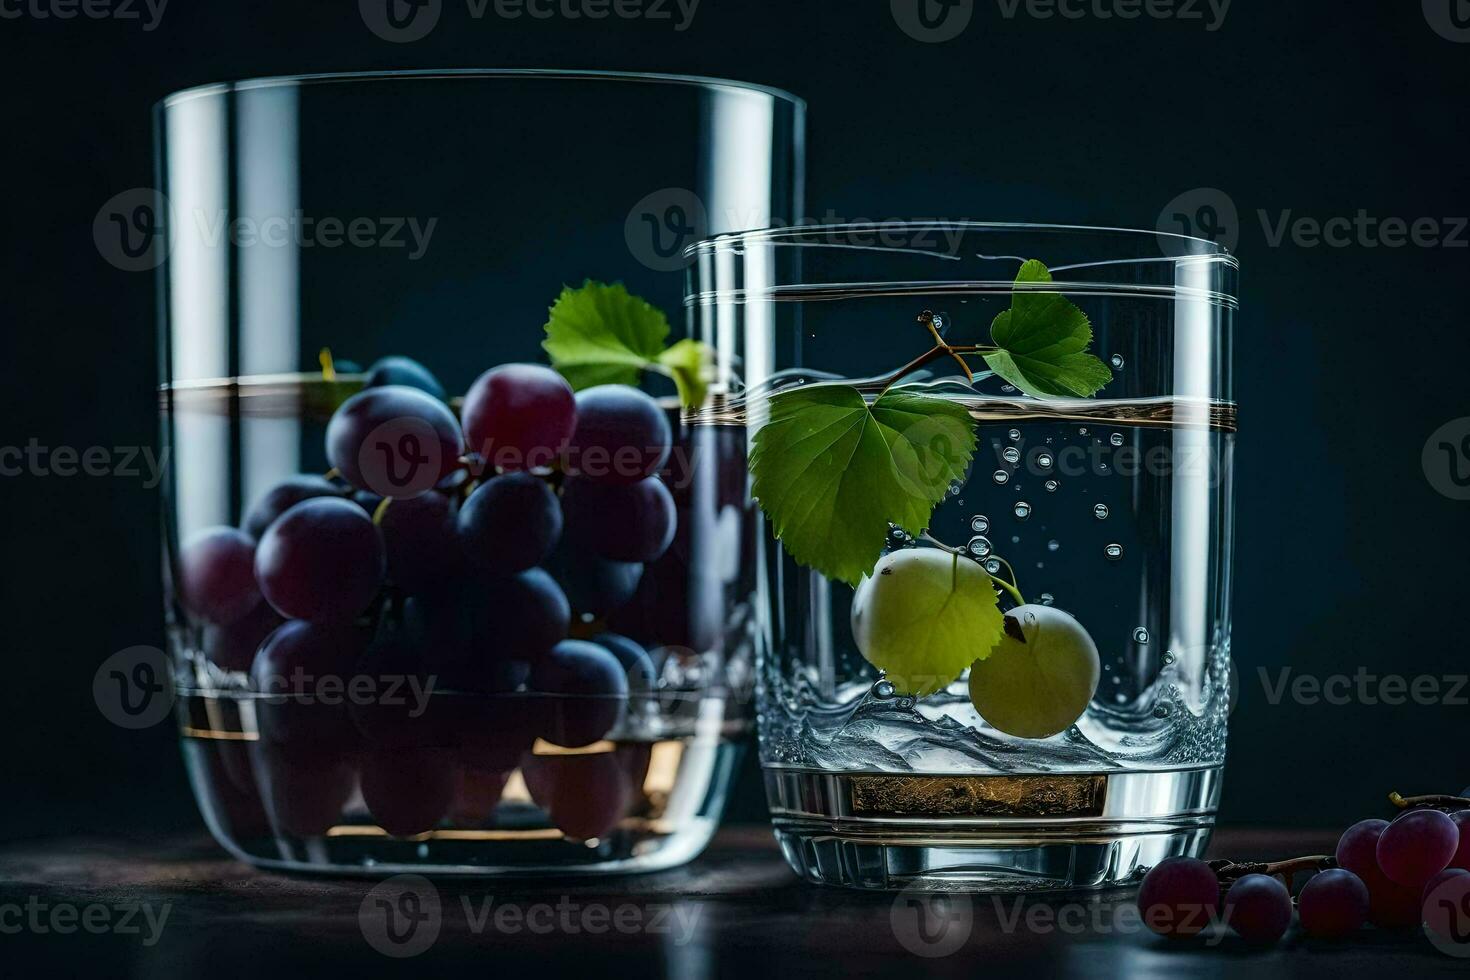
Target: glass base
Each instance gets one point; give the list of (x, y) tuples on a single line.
[(1020, 832)]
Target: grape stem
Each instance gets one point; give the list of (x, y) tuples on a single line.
[(1229, 871), (941, 349), (1436, 801), (1013, 589)]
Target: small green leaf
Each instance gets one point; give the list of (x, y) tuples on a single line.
[(924, 616), (601, 334), (690, 364), (832, 472), (1044, 339)]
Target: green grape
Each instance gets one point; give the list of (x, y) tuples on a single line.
[(1040, 685), (923, 615)]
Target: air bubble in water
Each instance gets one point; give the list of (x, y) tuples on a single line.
[(1053, 545), (1015, 435), (1140, 635), (1022, 510), (1100, 511), (1044, 460), (993, 566), (1114, 551), (1010, 454), (1001, 476), (1168, 658), (979, 523), (1082, 430), (898, 534), (1051, 486), (1116, 438), (1161, 711), (1008, 389), (1047, 598), (955, 488), (883, 689), (979, 546), (1116, 361)]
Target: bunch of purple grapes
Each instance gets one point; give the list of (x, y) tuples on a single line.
[(425, 555), (1383, 873)]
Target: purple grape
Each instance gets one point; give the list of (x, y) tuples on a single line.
[(322, 560), (469, 631), (1430, 887), (509, 523), (1417, 846), (304, 789), (1390, 905), (395, 370), (1179, 897), (233, 647), (395, 441), (584, 796), (629, 523), (420, 542), (595, 690), (636, 663), (1334, 904), (1461, 859), (282, 497), (1258, 908), (476, 795), (217, 575), (399, 709), (622, 436), (408, 791), (519, 416), (301, 674), (596, 586)]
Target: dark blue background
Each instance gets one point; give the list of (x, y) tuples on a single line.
[(1347, 358)]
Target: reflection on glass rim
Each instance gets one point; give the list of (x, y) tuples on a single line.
[(475, 74)]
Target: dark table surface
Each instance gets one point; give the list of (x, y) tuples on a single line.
[(64, 911)]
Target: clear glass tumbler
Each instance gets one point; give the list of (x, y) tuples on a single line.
[(1114, 508), (318, 224)]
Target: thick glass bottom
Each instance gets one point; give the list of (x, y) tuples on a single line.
[(1020, 832)]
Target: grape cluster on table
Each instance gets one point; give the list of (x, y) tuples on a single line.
[(1384, 873), (353, 577)]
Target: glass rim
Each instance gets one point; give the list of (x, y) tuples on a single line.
[(709, 83), (777, 235)]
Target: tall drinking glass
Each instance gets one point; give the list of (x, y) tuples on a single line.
[(318, 224), (1115, 509)]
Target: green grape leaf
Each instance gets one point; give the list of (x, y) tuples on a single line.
[(832, 472), (690, 364), (601, 334), (1043, 340), (924, 616)]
